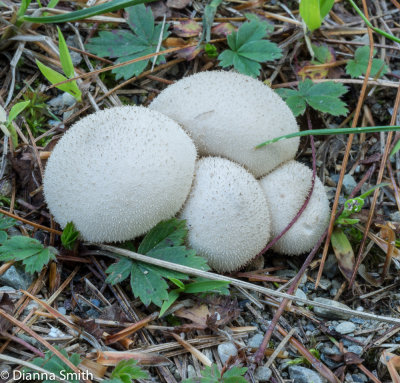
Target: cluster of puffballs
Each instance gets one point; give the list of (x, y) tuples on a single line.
[(118, 172)]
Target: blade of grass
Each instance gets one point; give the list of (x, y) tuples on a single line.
[(111, 6), (326, 132)]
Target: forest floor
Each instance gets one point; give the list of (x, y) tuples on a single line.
[(69, 305)]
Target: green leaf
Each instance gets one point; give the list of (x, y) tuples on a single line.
[(204, 286), (172, 297), (16, 110), (28, 250), (395, 149), (110, 6), (127, 370), (125, 45), (3, 236), (162, 242), (208, 19), (358, 66), (56, 366), (119, 271), (324, 97), (311, 13), (168, 233), (65, 57), (325, 6), (247, 49), (55, 77), (69, 236), (213, 375)]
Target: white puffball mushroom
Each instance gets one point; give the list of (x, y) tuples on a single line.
[(226, 214), (118, 172), (286, 189), (227, 114)]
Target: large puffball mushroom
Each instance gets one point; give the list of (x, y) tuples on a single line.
[(226, 214), (227, 114), (118, 172), (286, 189)]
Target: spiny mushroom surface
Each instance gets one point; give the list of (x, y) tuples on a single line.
[(286, 189), (227, 114), (118, 172), (226, 214)]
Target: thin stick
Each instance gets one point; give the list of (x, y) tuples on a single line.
[(237, 282), (347, 152), (45, 228)]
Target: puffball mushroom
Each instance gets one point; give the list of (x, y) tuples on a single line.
[(226, 214), (118, 172), (227, 114), (286, 189)]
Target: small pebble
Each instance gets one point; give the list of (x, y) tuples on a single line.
[(263, 374), (62, 310), (191, 372), (345, 327), (255, 341), (356, 349), (225, 350), (359, 378), (304, 375), (327, 312), (349, 183), (300, 294)]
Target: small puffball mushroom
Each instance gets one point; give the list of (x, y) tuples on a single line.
[(286, 189), (118, 172), (227, 114), (226, 214)]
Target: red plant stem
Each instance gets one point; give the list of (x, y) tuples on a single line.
[(23, 343), (306, 201), (260, 352)]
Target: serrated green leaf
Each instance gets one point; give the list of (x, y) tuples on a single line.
[(56, 366), (3, 236), (324, 97), (141, 21), (6, 222), (260, 50), (69, 236), (247, 49), (28, 250), (358, 66), (127, 370), (125, 45), (65, 57), (148, 285), (235, 372), (148, 281), (166, 233), (213, 375), (119, 271), (115, 44)]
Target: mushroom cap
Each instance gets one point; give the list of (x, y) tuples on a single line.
[(118, 172), (227, 114), (226, 214), (286, 189)]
